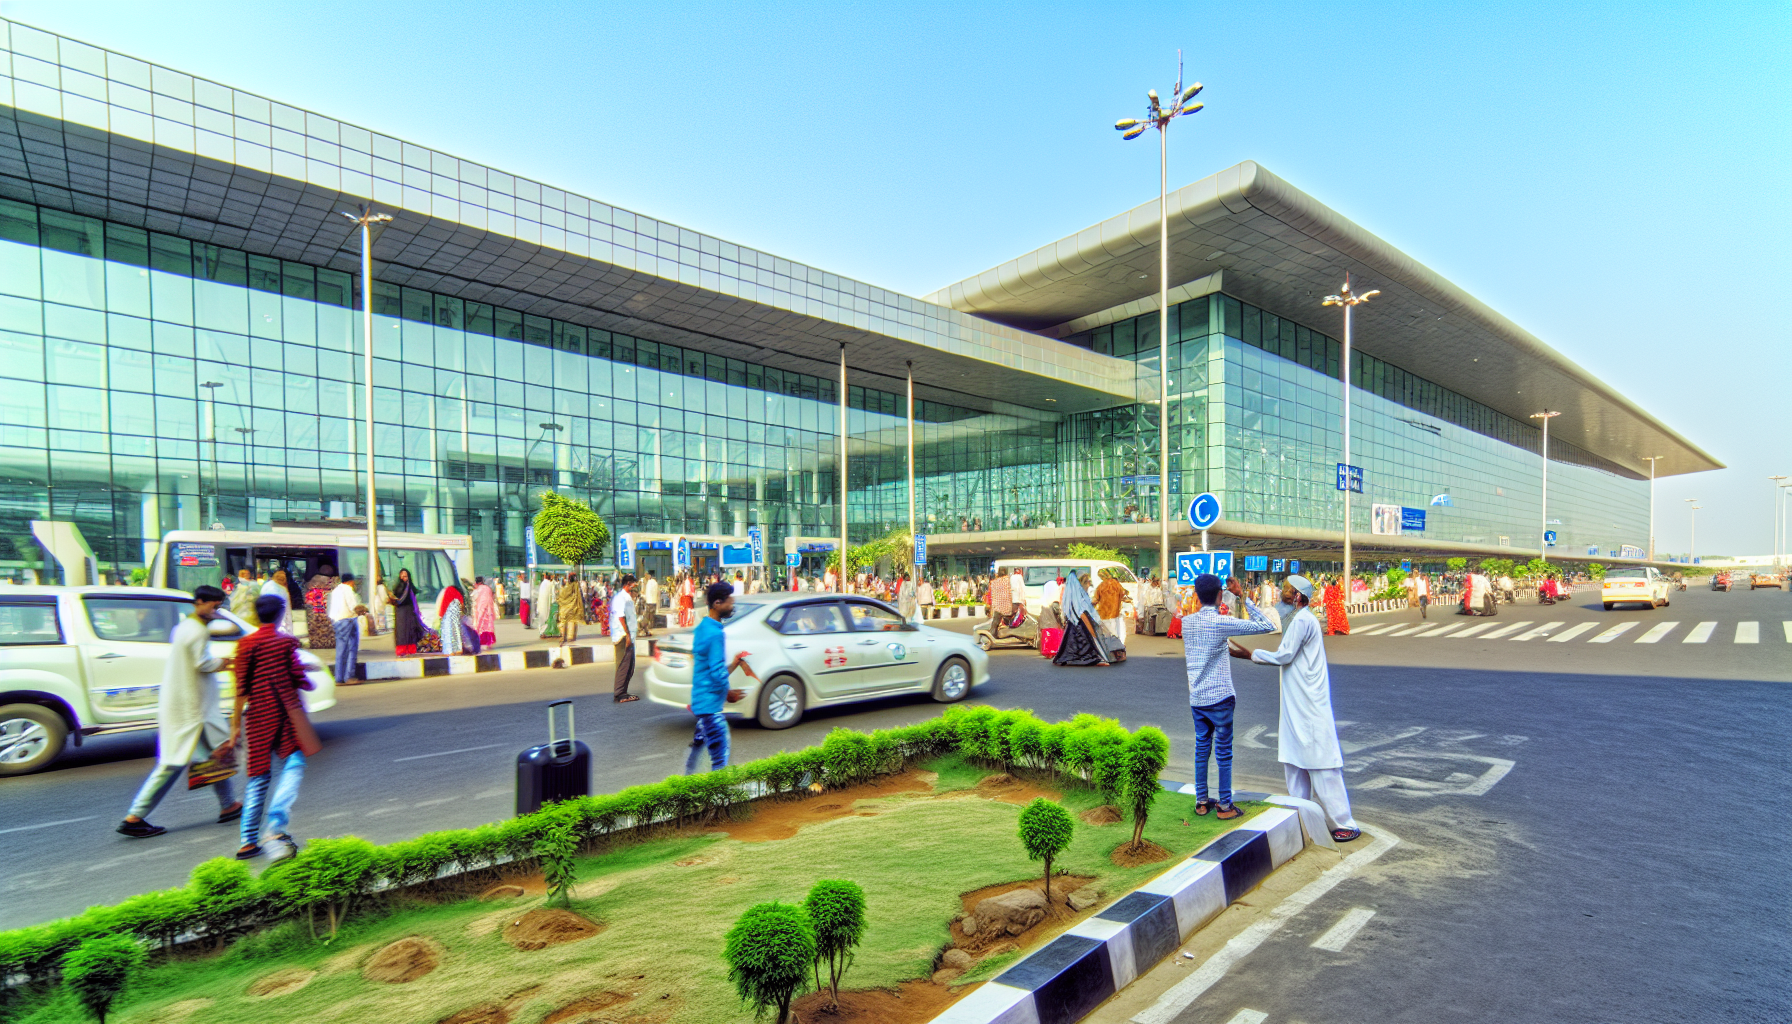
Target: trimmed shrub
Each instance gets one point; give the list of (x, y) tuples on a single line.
[(555, 850), (1025, 741), (98, 970), (225, 898), (1146, 754), (836, 910), (328, 874), (770, 951), (1045, 830), (849, 758)]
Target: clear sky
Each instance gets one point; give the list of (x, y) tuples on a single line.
[(1615, 178)]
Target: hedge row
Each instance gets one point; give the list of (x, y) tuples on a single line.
[(331, 878)]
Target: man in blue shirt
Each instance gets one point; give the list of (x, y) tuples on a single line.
[(1211, 698), (709, 679)]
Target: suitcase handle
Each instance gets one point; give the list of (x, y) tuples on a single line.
[(553, 741)]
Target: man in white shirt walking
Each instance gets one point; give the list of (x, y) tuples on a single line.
[(276, 586), (622, 634), (345, 610), (650, 604)]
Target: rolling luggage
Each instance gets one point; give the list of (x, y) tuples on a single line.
[(557, 770), (1049, 641)]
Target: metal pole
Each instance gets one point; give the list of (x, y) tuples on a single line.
[(914, 569), (1543, 524), (373, 541), (843, 467), (1776, 516), (1652, 460), (1344, 374), (1163, 352)]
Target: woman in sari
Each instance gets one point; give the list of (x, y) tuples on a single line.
[(448, 611), (320, 633), (485, 612), (685, 618), (1085, 641), (1335, 619), (406, 623)]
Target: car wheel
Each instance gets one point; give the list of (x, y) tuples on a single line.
[(983, 641), (1608, 605), (30, 737), (781, 703), (953, 681)]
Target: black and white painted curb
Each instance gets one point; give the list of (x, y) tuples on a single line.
[(467, 664), (1082, 968)]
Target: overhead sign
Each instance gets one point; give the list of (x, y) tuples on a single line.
[(682, 556), (1350, 478), (1256, 563), (1406, 565), (625, 552), (1279, 565), (1593, 549), (1204, 511), (920, 549), (1549, 538), (756, 538), (736, 556), (1294, 566), (793, 559), (1629, 551), (1384, 519), (1190, 564), (1412, 520)]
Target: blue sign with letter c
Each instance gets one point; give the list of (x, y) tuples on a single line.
[(1204, 511)]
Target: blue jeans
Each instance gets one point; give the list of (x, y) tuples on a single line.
[(348, 648), (162, 780), (1213, 734), (712, 731), (279, 809)]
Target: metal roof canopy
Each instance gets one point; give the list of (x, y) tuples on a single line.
[(1282, 250)]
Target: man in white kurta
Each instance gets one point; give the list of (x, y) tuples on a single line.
[(1307, 740), (190, 723), (276, 585)]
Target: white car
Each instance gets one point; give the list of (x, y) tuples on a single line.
[(816, 650), (84, 661), (1640, 584)]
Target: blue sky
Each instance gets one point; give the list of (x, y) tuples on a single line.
[(1615, 178)]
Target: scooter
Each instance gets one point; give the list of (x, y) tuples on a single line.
[(1024, 633)]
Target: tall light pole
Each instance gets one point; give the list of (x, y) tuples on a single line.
[(1692, 541), (1652, 460), (1694, 502), (1776, 516), (211, 408), (1159, 116), (842, 467), (914, 570), (1349, 300), (365, 220), (1783, 518), (1543, 515)]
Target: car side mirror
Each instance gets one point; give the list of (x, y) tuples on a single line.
[(222, 628)]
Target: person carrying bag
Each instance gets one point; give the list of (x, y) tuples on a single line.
[(269, 677)]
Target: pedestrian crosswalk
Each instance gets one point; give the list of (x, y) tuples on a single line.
[(1553, 632)]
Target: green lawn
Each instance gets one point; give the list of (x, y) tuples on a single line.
[(665, 922)]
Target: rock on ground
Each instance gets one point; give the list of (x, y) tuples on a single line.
[(1011, 912)]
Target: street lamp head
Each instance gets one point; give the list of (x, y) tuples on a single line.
[(1191, 92), (1193, 108), (383, 218), (1370, 294), (1125, 123), (1333, 300), (1153, 94), (1134, 133)]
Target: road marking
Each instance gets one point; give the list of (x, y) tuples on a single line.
[(1700, 633), (1340, 934), (1383, 628), (1613, 633), (1656, 632), (1410, 629), (47, 824), (1788, 626), (1441, 630), (1248, 1017), (1539, 631), (656, 757), (1571, 632), (1171, 1004), (1472, 630), (1748, 632), (432, 803), (1503, 630), (445, 753)]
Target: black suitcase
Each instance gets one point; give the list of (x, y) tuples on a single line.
[(559, 769)]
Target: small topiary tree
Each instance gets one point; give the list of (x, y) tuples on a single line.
[(1045, 830), (98, 970), (555, 849), (1457, 564), (224, 897), (1147, 752), (836, 911), (567, 529), (1596, 571), (770, 952)]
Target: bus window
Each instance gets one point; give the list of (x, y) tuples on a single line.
[(192, 564), (1039, 575), (431, 571), (1115, 572)]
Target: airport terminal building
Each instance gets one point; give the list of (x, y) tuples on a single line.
[(180, 346)]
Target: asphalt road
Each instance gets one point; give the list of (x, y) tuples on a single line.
[(1589, 832)]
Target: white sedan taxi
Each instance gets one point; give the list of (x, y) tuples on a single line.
[(1640, 584)]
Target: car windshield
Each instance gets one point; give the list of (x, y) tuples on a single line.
[(1627, 574), (135, 619)]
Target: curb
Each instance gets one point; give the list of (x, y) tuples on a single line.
[(1079, 970), (467, 664)]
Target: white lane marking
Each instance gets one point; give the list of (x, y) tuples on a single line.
[(487, 794), (1410, 629), (445, 753), (1382, 628), (1472, 630), (437, 800), (1248, 1017), (1700, 633), (1656, 632), (1613, 633), (1504, 630), (1171, 1004), (1788, 626), (656, 757), (1571, 632), (1748, 632), (47, 824), (1249, 739), (1441, 630), (1340, 934), (1539, 631)]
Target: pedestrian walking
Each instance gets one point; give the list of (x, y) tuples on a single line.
[(1336, 621), (450, 607), (243, 595), (545, 598), (1307, 736), (1110, 597), (709, 679), (485, 611), (650, 604), (270, 722), (685, 619), (622, 635), (1212, 699), (407, 624), (571, 600), (275, 586), (189, 722), (1422, 587), (320, 633), (344, 612)]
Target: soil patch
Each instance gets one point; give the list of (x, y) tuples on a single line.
[(502, 892), (174, 1013), (544, 927), (407, 959), (281, 982), (1106, 814), (1058, 911), (1147, 852), (780, 819), (1011, 790), (586, 1009), (913, 1002), (481, 1013)]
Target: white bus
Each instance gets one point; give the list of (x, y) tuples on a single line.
[(188, 558)]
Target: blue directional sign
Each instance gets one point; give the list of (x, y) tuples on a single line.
[(1412, 520), (682, 557), (793, 559), (756, 537), (1350, 478), (920, 549), (1279, 565), (1190, 564), (1294, 567), (1204, 511), (625, 552), (1549, 538), (530, 557), (1256, 563), (1406, 565)]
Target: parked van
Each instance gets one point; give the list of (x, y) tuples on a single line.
[(188, 558), (1037, 572)]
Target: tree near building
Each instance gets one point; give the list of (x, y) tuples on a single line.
[(1457, 564), (836, 911), (1596, 571), (1094, 552), (770, 952), (1147, 752), (1045, 830), (567, 529), (98, 970)]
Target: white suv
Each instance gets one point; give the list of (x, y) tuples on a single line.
[(82, 661)]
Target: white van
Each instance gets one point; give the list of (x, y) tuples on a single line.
[(1037, 572)]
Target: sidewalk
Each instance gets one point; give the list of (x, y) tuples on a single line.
[(517, 647)]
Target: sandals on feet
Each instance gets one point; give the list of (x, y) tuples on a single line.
[(232, 814), (626, 698), (249, 852), (1227, 812), (1203, 806), (139, 829), (1345, 835)]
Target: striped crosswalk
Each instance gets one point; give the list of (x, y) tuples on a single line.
[(1747, 632)]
